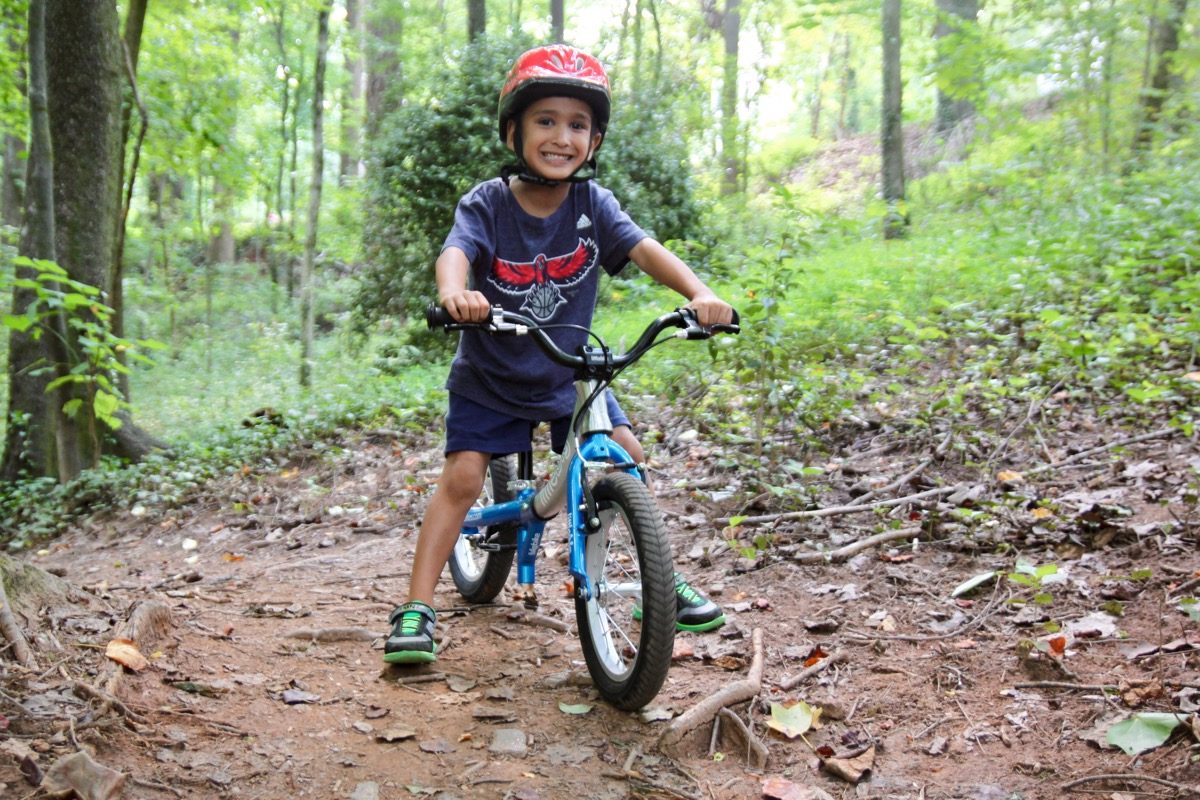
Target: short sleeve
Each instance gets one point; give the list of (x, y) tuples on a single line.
[(616, 228), (474, 229)]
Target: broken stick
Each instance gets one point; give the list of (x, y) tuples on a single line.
[(734, 693)]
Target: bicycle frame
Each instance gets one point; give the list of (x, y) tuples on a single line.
[(588, 446)]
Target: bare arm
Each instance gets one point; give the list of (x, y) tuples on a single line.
[(465, 305), (669, 269)]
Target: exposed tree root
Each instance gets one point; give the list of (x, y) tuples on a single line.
[(704, 711), (13, 633)]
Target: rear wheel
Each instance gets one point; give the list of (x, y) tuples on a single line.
[(480, 573), (628, 562)]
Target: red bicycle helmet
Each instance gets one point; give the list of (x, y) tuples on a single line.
[(556, 70)]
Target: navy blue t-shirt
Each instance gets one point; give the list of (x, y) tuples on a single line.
[(545, 268)]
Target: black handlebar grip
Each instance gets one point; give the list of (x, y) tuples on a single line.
[(437, 316), (732, 327)]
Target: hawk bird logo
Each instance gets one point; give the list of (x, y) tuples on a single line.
[(541, 280)]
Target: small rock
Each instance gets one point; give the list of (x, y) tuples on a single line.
[(509, 742), (367, 790)]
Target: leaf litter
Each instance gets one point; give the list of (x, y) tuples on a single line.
[(932, 692)]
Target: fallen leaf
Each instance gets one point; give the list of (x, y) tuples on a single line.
[(816, 655), (1058, 645), (780, 789), (1192, 376), (851, 769), (577, 708), (78, 775), (1041, 513), (125, 653), (1009, 476), (1143, 731), (795, 719), (233, 557)]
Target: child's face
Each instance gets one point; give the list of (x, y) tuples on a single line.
[(557, 136)]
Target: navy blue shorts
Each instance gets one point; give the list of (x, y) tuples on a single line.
[(471, 426)]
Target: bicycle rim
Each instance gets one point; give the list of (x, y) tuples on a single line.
[(628, 562)]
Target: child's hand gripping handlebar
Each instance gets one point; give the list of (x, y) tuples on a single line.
[(510, 323)]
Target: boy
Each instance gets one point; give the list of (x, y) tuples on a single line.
[(534, 241)]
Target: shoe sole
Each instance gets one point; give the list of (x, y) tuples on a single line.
[(409, 657), (703, 627)]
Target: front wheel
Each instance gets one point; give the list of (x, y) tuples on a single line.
[(628, 562), (478, 568)]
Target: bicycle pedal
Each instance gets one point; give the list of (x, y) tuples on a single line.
[(526, 594)]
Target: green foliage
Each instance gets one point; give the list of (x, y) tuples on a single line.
[(94, 354), (428, 154)]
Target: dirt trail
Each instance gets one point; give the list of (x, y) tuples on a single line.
[(270, 684)]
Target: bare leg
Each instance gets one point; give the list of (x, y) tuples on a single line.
[(457, 489), (623, 436)]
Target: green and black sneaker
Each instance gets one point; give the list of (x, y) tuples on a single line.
[(411, 640), (693, 611)]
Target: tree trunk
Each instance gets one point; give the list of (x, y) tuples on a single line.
[(314, 202), (1164, 79), (953, 107), (11, 195), (557, 21), (846, 87), (29, 447), (730, 151), (476, 19), (352, 101), (892, 135), (385, 77), (135, 19)]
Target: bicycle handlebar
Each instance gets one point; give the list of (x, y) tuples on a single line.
[(510, 323)]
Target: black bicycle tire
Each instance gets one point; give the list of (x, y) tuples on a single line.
[(498, 563), (629, 497)]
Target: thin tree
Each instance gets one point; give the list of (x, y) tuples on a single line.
[(892, 134), (314, 200), (1165, 78), (730, 149), (954, 106), (557, 21), (476, 19), (352, 100)]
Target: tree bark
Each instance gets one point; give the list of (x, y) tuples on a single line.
[(351, 146), (1164, 79), (29, 446), (953, 107), (476, 19), (314, 201), (730, 151), (557, 21), (892, 134), (385, 76)]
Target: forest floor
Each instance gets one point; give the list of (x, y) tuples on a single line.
[(260, 607)]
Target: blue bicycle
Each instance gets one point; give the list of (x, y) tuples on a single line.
[(619, 553)]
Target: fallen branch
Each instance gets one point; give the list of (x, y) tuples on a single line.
[(1145, 437), (733, 693), (147, 621), (1069, 687), (334, 634), (847, 509), (11, 631), (893, 486), (825, 663), (1183, 789), (854, 548)]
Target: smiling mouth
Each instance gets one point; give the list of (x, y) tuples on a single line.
[(560, 158)]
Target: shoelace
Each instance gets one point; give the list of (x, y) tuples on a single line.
[(690, 595), (410, 623)]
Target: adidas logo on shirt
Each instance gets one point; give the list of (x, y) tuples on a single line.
[(583, 222)]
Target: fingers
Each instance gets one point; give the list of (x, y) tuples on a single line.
[(711, 310), (467, 306)]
